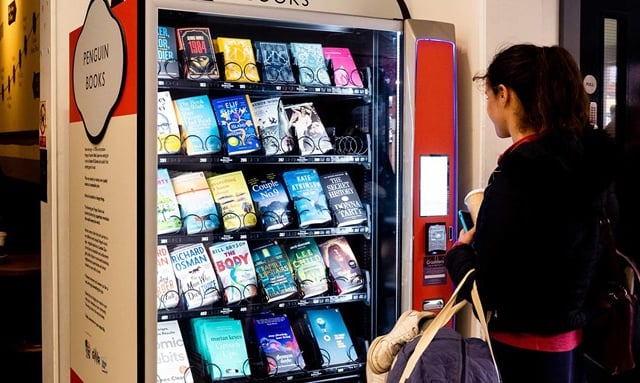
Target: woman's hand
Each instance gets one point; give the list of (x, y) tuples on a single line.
[(466, 236)]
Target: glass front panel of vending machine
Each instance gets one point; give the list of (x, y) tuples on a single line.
[(278, 191)]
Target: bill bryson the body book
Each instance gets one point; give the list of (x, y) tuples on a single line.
[(234, 265), (274, 272)]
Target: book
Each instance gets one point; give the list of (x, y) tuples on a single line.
[(342, 264), (345, 72), (239, 60), (168, 211), (275, 60), (273, 125), (231, 195), (168, 64), (278, 343), (236, 119), (195, 274), (343, 199), (274, 272), (168, 295), (308, 128), (312, 67), (234, 266), (168, 130), (308, 266), (271, 200), (329, 331), (200, 132), (197, 53), (199, 212), (221, 343), (173, 362), (305, 190)]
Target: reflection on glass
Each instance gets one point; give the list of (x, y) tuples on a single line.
[(610, 75)]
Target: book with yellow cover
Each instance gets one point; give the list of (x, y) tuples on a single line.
[(231, 194), (239, 60)]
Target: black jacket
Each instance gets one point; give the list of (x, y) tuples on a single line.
[(536, 233)]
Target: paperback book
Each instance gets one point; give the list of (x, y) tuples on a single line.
[(308, 128), (343, 199), (308, 266), (330, 333), (169, 218), (274, 272), (231, 195), (343, 265), (168, 295), (305, 190), (273, 125), (312, 67), (200, 132), (169, 141), (199, 211), (239, 61), (168, 64), (278, 343), (271, 200), (234, 266), (195, 275), (173, 362), (276, 62), (236, 119), (198, 55), (345, 72), (221, 343)]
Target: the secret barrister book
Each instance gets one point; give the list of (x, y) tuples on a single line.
[(343, 199), (197, 53), (308, 197), (168, 64), (274, 272)]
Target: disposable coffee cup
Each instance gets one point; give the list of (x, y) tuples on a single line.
[(473, 200)]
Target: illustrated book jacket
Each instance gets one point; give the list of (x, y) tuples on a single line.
[(195, 274), (169, 140), (231, 195), (312, 67), (310, 132), (272, 201), (239, 60), (328, 329), (275, 60), (234, 266), (168, 295), (273, 125), (200, 132), (278, 343), (169, 218), (199, 212), (305, 190), (197, 53), (308, 266), (168, 63), (343, 265), (274, 272), (237, 121)]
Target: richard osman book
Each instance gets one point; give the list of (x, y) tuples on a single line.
[(310, 202), (195, 274)]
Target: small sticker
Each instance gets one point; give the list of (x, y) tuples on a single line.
[(590, 84)]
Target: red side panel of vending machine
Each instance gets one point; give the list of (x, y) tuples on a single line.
[(430, 163)]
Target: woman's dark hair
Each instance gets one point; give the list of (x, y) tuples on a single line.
[(548, 83)]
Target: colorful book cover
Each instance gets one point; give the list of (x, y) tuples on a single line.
[(236, 118), (273, 125), (343, 265), (239, 61), (168, 295), (234, 266), (169, 217), (198, 54), (173, 362), (305, 190), (168, 130), (308, 127), (200, 132), (274, 272), (312, 67), (343, 199), (278, 343), (222, 345), (308, 266), (199, 212), (271, 199), (345, 72), (331, 335), (275, 60), (168, 64), (231, 194), (195, 275)]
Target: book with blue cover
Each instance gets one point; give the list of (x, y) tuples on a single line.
[(272, 201), (331, 335), (196, 277), (168, 64), (309, 200), (275, 60), (274, 272), (200, 132), (169, 218), (312, 67), (308, 266), (278, 343), (237, 121), (221, 343), (198, 209), (234, 266)]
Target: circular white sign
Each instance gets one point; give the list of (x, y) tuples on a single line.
[(98, 69), (590, 84)]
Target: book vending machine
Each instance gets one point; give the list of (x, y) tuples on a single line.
[(237, 175)]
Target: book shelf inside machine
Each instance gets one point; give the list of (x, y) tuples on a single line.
[(267, 214)]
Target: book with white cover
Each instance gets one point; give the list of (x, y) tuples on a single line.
[(173, 362)]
